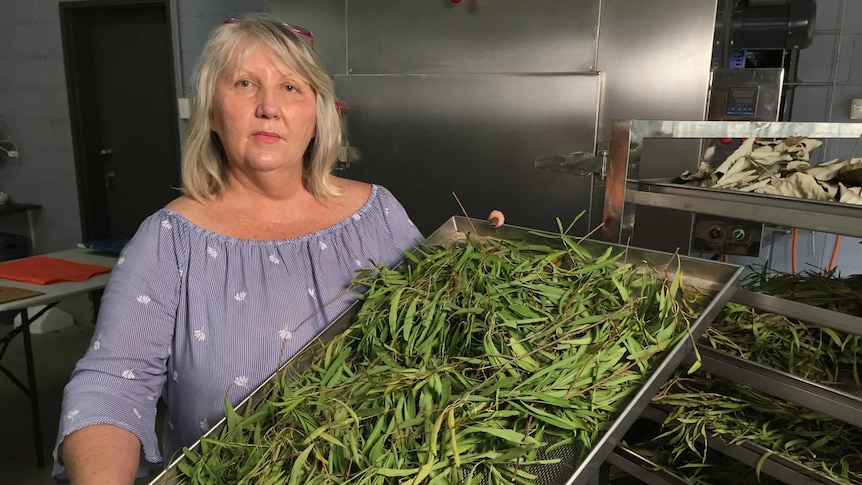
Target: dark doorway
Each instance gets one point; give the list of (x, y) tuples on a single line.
[(122, 101)]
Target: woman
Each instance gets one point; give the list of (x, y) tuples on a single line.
[(238, 274)]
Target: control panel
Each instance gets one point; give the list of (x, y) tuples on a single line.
[(722, 235)]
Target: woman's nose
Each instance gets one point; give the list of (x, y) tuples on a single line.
[(267, 105)]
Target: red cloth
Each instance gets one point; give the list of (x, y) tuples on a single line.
[(43, 270)]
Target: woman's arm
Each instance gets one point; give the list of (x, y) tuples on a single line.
[(118, 381), (101, 453)]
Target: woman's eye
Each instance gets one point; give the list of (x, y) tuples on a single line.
[(290, 88), (243, 83)]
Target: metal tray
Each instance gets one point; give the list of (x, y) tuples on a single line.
[(832, 217), (775, 465), (624, 180), (715, 279)]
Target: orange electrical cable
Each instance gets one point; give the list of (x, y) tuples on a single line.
[(793, 251), (834, 251)]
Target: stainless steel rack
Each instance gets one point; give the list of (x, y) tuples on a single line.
[(625, 191)]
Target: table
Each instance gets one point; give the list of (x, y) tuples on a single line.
[(52, 294)]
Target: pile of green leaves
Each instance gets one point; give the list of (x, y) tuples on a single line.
[(704, 405), (824, 289), (815, 353), (716, 469), (468, 365)]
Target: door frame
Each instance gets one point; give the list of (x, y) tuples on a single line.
[(71, 23)]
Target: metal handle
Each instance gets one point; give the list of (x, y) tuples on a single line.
[(105, 151)]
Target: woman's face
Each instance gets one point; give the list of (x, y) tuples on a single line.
[(264, 114)]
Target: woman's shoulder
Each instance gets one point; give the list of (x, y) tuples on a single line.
[(354, 194), (186, 207)]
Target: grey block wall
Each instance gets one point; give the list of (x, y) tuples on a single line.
[(829, 77), (34, 114), (34, 110)]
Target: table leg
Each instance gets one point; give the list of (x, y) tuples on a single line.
[(32, 230), (34, 393)]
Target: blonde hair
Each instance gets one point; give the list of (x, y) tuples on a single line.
[(203, 160)]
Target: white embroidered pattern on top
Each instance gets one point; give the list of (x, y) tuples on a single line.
[(273, 259), (200, 335), (356, 217), (135, 410), (166, 224), (285, 334), (212, 252), (311, 292), (241, 381), (175, 376), (240, 296), (71, 414), (144, 299), (204, 426), (121, 260), (322, 245), (128, 374)]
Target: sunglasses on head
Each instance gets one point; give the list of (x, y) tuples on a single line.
[(294, 28)]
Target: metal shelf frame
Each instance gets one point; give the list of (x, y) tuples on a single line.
[(625, 191), (645, 470)]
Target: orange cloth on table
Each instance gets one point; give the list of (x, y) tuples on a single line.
[(44, 270)]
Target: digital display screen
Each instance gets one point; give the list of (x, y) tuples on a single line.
[(742, 100)]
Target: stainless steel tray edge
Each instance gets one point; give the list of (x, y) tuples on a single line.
[(826, 216)]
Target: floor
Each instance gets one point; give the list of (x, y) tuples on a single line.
[(55, 355)]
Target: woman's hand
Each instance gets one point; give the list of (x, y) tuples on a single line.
[(496, 218)]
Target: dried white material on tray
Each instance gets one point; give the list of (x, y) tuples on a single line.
[(782, 168)]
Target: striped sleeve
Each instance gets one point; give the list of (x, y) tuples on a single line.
[(120, 378)]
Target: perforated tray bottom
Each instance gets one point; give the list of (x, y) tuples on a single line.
[(555, 473)]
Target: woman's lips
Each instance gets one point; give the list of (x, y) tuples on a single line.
[(266, 137)]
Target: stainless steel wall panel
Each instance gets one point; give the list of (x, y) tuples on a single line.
[(480, 36), (326, 19), (477, 135), (656, 58)]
